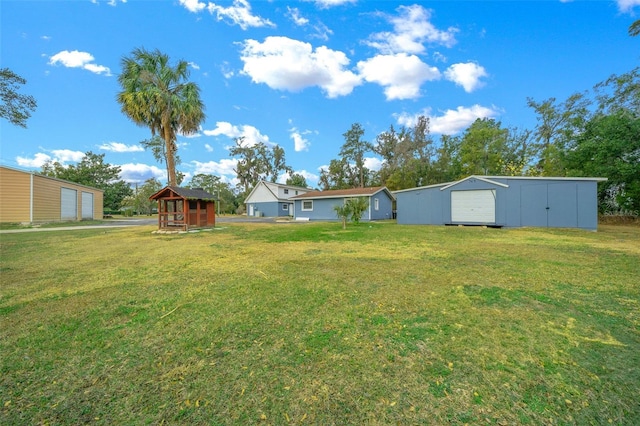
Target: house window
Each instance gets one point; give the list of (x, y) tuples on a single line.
[(296, 192), (376, 204), (285, 207), (286, 191), (307, 206)]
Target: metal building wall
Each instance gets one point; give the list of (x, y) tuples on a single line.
[(539, 202)]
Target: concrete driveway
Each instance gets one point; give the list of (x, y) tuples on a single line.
[(124, 223)]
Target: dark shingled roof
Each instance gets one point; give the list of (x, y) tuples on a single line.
[(192, 193), (187, 193)]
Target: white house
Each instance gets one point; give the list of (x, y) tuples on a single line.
[(272, 199)]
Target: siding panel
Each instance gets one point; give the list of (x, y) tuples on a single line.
[(15, 187), (46, 199)]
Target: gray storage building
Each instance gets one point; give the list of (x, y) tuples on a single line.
[(511, 201)]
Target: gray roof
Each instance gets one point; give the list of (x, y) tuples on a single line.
[(187, 193), (491, 178), (192, 193)]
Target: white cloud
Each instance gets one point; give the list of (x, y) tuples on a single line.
[(286, 64), (401, 75), (76, 59), (240, 14), (322, 32), (194, 65), (46, 37), (73, 59), (66, 155), (97, 69), (311, 178), (439, 57), (120, 147), (61, 156), (193, 5), (132, 173), (190, 136), (451, 121), (627, 5), (299, 142), (37, 161), (250, 134), (208, 147), (110, 2), (324, 4), (226, 70), (224, 167), (412, 28), (467, 75), (372, 163), (294, 14)]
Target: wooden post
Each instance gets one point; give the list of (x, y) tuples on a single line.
[(211, 213)]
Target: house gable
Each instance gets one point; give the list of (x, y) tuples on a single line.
[(471, 180), (267, 192), (261, 194)]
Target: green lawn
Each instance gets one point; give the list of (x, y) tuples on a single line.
[(309, 324)]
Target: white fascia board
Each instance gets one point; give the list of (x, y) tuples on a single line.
[(420, 187), (482, 178), (563, 178)]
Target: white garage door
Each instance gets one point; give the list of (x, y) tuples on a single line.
[(68, 204), (477, 206), (87, 205)]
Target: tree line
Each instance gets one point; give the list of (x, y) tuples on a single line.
[(594, 133), (591, 133)]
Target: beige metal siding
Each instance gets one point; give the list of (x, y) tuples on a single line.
[(14, 195), (46, 199), (98, 207)]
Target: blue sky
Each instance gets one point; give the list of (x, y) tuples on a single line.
[(298, 74)]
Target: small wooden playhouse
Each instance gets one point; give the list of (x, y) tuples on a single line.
[(184, 208)]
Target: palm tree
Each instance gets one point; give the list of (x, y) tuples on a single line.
[(157, 95), (634, 29)]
